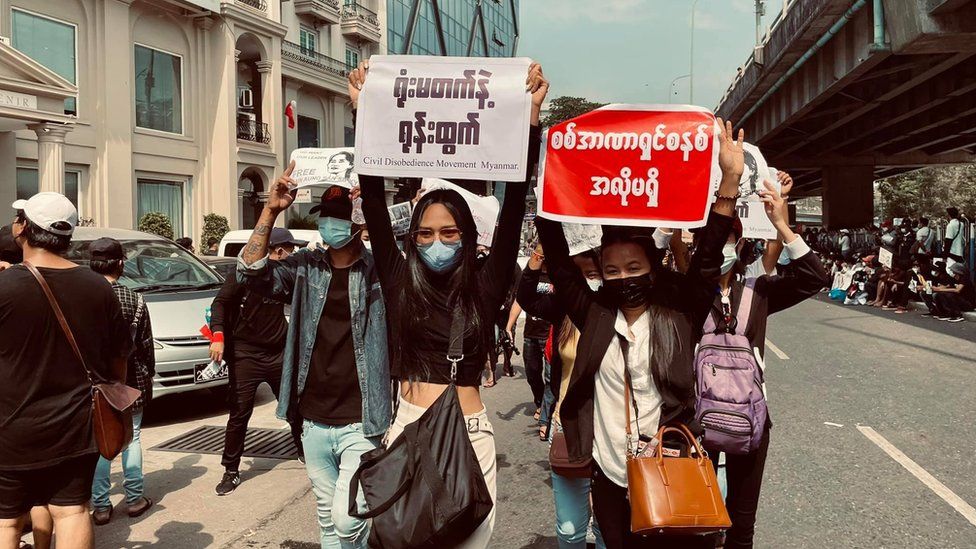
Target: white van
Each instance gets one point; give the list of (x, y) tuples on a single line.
[(234, 241)]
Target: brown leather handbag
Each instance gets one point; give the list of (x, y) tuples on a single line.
[(673, 495), (560, 463), (111, 402)]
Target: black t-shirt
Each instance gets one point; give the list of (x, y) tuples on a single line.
[(538, 328), (45, 397), (332, 395)]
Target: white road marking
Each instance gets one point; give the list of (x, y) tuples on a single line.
[(776, 350), (832, 424), (941, 490)]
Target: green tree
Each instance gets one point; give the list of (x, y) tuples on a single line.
[(214, 226), (565, 107), (928, 192), (156, 223), (307, 222)]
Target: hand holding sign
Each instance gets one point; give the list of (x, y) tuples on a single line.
[(774, 204), (282, 191)]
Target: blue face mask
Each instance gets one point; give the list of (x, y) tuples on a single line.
[(336, 233), (440, 257)]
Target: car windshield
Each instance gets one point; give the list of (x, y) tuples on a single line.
[(154, 265)]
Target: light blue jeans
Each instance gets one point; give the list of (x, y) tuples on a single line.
[(572, 497), (131, 470), (331, 458)]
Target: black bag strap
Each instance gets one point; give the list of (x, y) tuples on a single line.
[(455, 350)]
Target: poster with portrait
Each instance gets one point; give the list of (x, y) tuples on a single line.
[(582, 238), (750, 208), (316, 166), (447, 117), (400, 215)]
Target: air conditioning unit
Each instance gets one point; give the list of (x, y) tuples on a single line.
[(245, 98)]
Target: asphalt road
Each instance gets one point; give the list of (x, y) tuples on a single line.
[(851, 373)]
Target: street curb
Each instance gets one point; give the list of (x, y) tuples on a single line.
[(920, 306)]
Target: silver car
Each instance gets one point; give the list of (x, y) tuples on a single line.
[(178, 289)]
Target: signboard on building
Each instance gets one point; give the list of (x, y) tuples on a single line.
[(18, 100), (444, 117)]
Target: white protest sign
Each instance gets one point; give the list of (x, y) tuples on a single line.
[(303, 196), (581, 238), (447, 117), (885, 257), (484, 209), (314, 166), (400, 215), (752, 213)]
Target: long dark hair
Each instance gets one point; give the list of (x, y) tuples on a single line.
[(423, 290), (666, 345)]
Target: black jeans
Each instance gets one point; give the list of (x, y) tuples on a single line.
[(250, 369), (612, 511), (950, 305), (743, 474), (502, 351), (533, 354)]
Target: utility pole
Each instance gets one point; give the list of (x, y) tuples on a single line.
[(760, 12)]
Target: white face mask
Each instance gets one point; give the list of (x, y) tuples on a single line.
[(729, 257), (594, 283)]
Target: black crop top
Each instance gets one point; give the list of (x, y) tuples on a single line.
[(494, 278)]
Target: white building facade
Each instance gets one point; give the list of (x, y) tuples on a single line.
[(175, 106)]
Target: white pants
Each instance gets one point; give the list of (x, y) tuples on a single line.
[(483, 441)]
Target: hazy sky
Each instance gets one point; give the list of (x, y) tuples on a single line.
[(628, 51)]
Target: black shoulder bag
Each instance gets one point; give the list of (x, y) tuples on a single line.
[(426, 488)]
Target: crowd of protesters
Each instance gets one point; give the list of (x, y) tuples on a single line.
[(383, 338)]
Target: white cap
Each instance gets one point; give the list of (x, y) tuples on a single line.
[(52, 212)]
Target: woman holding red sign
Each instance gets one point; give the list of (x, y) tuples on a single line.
[(639, 329)]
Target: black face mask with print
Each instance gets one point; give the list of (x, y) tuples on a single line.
[(628, 292)]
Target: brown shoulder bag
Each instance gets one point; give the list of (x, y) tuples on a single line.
[(111, 402), (672, 495)]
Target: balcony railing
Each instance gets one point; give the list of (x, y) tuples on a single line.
[(249, 130), (312, 58), (360, 12), (261, 5)]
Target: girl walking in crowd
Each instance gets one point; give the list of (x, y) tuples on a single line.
[(765, 295), (436, 274), (639, 329)]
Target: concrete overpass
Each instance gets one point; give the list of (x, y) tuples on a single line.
[(843, 92)]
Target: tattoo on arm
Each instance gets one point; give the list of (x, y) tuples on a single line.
[(257, 245)]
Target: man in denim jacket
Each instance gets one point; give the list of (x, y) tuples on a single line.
[(336, 376)]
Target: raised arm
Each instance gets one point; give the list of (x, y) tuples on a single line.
[(570, 285), (809, 276), (390, 264), (545, 306), (497, 271)]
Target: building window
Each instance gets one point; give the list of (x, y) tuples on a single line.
[(51, 43), (352, 58), (159, 90), (308, 132), (307, 39), (28, 185), (161, 196)]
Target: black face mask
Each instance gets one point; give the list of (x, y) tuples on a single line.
[(628, 292)]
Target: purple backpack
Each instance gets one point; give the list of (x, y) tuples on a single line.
[(730, 403)]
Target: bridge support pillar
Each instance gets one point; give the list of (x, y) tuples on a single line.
[(848, 196)]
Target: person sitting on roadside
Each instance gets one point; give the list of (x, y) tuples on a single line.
[(951, 300)]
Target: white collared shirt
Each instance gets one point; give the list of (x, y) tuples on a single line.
[(609, 424)]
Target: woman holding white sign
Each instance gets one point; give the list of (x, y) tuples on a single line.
[(438, 274)]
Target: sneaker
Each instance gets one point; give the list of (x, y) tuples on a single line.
[(228, 484), (940, 317), (955, 319)]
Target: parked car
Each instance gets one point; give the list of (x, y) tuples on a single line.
[(234, 241), (226, 267), (178, 289)]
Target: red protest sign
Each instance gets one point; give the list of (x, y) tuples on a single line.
[(643, 165)]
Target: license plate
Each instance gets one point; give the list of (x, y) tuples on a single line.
[(202, 373)]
